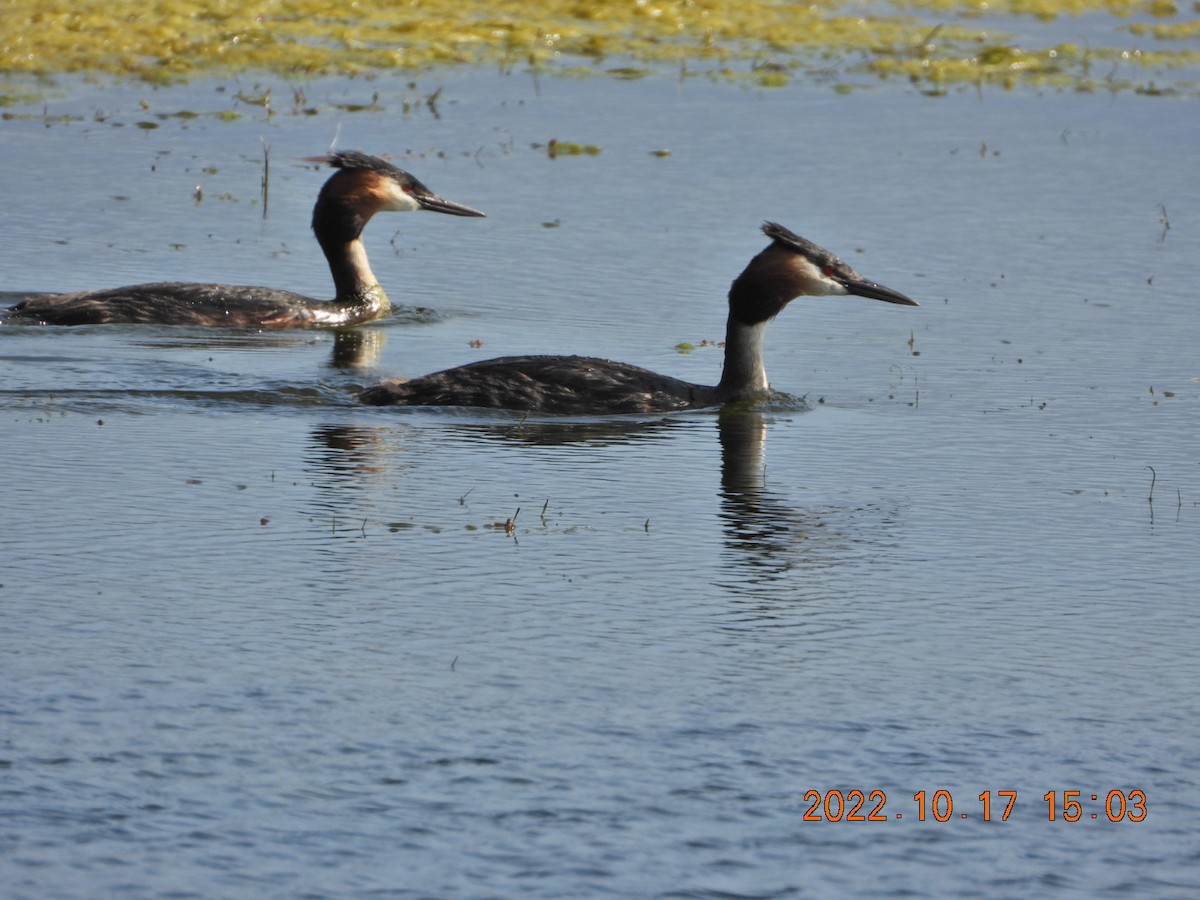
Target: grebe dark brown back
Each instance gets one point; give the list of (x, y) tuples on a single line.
[(789, 267), (362, 186)]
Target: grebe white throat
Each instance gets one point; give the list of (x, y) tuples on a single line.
[(744, 374)]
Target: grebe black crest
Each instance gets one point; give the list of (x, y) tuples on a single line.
[(362, 186), (789, 267)]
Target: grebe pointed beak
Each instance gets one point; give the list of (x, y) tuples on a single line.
[(434, 203), (874, 291)]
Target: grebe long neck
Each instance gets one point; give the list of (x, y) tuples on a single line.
[(338, 229), (756, 296), (744, 375), (353, 281)]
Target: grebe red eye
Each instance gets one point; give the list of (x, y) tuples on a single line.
[(827, 270)]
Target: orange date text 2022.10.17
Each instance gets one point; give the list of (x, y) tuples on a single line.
[(1061, 806)]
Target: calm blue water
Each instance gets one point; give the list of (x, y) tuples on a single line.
[(260, 642)]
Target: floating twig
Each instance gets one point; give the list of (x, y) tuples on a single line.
[(266, 175), (923, 48), (431, 102)]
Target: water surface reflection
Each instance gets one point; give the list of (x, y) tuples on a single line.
[(354, 468), (766, 535)]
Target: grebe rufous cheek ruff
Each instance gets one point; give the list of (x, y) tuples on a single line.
[(789, 267), (362, 186)]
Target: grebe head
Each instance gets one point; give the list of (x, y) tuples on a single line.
[(793, 267), (366, 185)]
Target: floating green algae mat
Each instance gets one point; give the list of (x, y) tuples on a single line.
[(931, 42)]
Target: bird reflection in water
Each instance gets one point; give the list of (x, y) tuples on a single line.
[(356, 348), (761, 530), (344, 460), (766, 537)]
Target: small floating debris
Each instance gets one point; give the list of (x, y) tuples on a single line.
[(262, 98), (628, 73), (558, 148), (688, 346), (373, 106)]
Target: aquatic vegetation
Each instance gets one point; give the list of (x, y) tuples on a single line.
[(556, 148), (935, 42)]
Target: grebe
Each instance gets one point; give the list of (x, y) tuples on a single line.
[(788, 268), (362, 186)]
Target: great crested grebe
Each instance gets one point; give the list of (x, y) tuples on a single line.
[(362, 186), (789, 267)]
